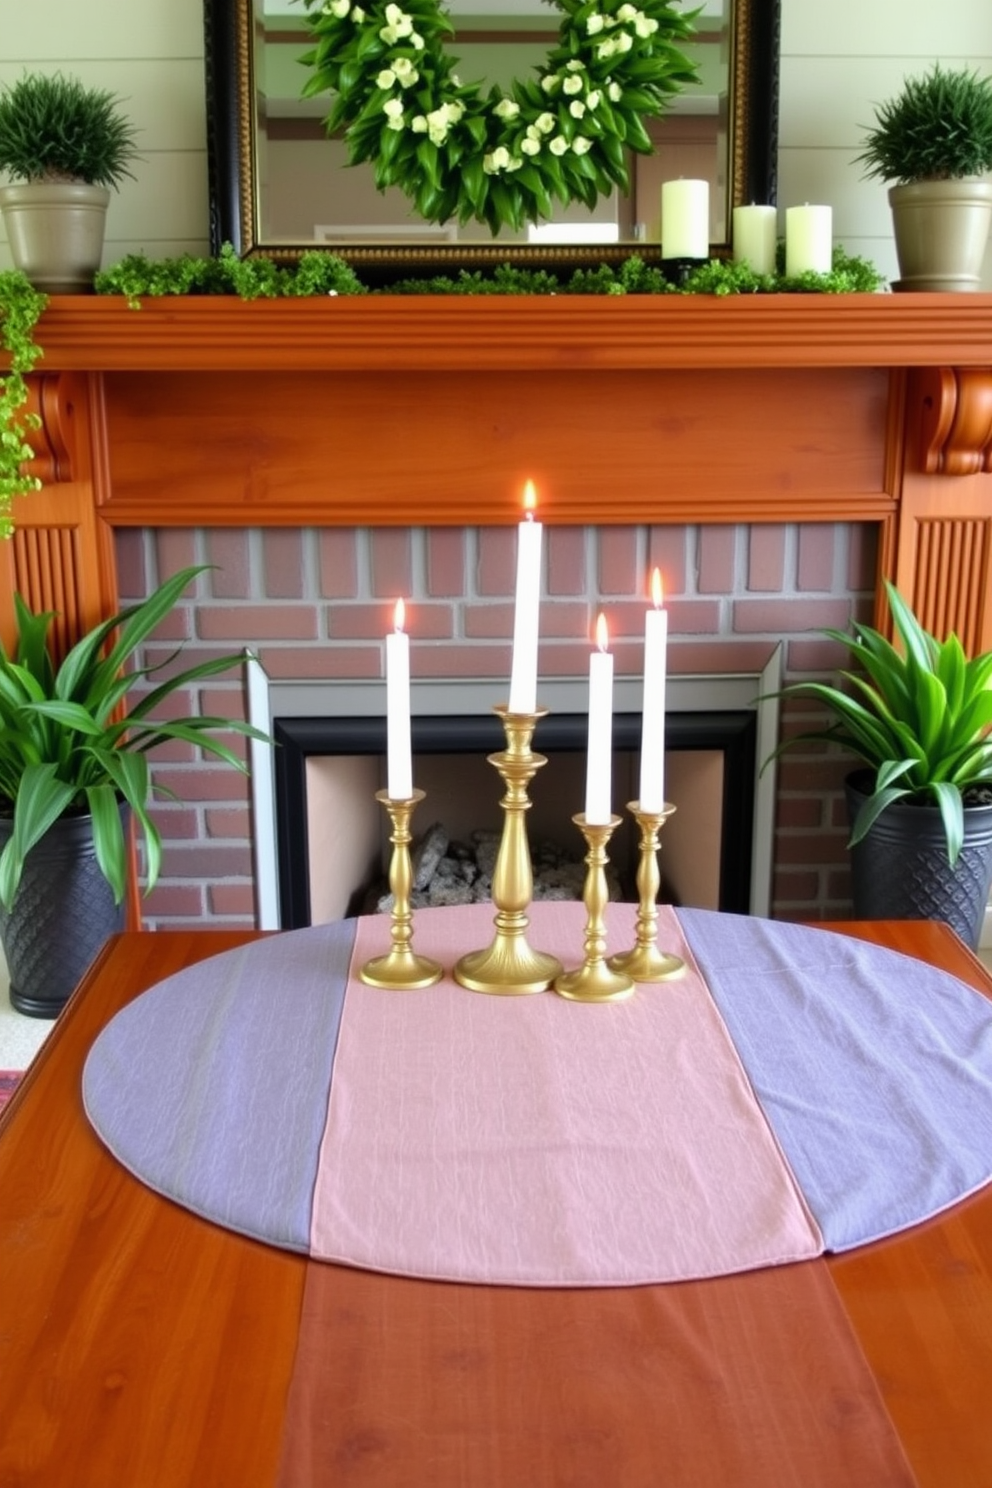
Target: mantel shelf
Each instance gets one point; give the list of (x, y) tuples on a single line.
[(517, 333)]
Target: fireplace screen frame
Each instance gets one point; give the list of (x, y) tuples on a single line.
[(298, 711)]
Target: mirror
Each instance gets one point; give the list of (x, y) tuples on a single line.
[(279, 185)]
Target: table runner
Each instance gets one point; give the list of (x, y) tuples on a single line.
[(534, 1142), (213, 1088)]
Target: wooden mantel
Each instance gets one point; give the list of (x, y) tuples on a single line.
[(432, 410)]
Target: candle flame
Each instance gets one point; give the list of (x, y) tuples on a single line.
[(530, 500), (657, 593), (399, 615), (602, 634)]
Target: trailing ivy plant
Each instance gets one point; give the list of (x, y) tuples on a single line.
[(20, 308)]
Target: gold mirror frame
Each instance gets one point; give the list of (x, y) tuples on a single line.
[(231, 134)]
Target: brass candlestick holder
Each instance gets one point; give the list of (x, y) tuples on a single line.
[(646, 963), (595, 980), (401, 968), (508, 966)]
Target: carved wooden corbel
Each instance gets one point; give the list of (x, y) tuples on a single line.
[(955, 419), (50, 396)]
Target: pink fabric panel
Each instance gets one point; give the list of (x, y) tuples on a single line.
[(533, 1141)]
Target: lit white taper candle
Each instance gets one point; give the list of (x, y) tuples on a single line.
[(652, 788), (599, 759), (523, 675), (399, 760)]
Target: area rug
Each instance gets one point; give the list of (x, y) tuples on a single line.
[(9, 1081)]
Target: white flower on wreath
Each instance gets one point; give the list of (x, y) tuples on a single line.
[(398, 25), (614, 92), (406, 73), (581, 145), (606, 48), (393, 110), (531, 145), (551, 82), (507, 108), (594, 24), (575, 65), (337, 8), (576, 108), (386, 79), (645, 26), (558, 145), (497, 160), (440, 120), (544, 124), (624, 41), (572, 84), (593, 99)]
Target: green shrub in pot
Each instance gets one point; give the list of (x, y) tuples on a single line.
[(933, 141), (63, 148)]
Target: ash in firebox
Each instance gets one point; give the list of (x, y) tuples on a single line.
[(447, 872)]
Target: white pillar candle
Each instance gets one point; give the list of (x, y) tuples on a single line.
[(599, 757), (754, 237), (523, 675), (685, 219), (399, 761), (808, 240), (652, 788)]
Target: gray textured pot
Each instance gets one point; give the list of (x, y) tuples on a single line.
[(55, 230), (900, 870), (62, 913), (941, 229)]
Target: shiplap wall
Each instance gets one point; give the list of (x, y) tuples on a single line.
[(838, 59)]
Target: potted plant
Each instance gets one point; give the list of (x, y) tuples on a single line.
[(919, 719), (20, 307), (63, 146), (935, 142), (72, 770)]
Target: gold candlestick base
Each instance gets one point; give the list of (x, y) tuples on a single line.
[(401, 968), (508, 967), (595, 980), (646, 963)]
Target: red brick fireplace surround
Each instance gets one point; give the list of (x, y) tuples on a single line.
[(775, 455)]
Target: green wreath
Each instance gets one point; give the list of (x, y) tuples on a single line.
[(500, 158)]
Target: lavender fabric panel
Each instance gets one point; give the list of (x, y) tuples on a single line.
[(874, 1069), (212, 1087)]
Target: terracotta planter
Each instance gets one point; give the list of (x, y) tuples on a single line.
[(56, 230), (941, 229), (62, 913), (900, 871)]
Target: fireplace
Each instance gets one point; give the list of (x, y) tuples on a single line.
[(321, 836), (783, 453)]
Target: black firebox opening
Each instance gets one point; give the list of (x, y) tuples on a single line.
[(731, 732)]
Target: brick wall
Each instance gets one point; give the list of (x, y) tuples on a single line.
[(316, 603)]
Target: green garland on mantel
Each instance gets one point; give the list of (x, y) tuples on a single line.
[(318, 273)]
